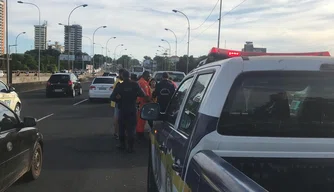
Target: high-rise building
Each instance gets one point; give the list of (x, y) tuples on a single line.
[(41, 36), (2, 26), (75, 38)]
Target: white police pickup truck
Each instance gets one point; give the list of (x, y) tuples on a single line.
[(247, 124)]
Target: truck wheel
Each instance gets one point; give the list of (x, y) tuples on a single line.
[(151, 185)]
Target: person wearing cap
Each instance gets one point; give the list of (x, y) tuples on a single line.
[(125, 95), (119, 79), (164, 91), (144, 85)]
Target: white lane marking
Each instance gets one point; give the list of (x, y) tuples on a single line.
[(80, 102), (44, 117)]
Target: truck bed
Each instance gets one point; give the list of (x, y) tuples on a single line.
[(288, 174)]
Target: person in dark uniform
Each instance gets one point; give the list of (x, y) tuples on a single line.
[(125, 94), (164, 91)]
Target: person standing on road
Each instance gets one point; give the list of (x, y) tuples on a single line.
[(119, 79), (152, 84), (125, 94), (144, 85), (164, 91), (171, 80)]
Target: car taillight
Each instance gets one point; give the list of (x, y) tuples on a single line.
[(48, 83), (92, 87), (70, 83)]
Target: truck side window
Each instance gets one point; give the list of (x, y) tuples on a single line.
[(193, 103), (176, 101)]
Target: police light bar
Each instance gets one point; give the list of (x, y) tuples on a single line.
[(233, 53)]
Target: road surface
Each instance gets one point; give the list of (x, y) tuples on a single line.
[(79, 152)]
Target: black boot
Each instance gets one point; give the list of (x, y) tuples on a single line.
[(121, 145), (130, 145)]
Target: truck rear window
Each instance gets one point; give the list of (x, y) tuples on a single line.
[(280, 104)]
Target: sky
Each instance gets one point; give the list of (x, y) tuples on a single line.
[(278, 25)]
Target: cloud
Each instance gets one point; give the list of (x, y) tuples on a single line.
[(279, 25)]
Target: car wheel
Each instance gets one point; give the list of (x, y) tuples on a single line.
[(73, 93), (80, 91), (17, 109), (151, 185), (36, 163)]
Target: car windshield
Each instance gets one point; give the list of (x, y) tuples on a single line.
[(177, 77), (59, 78), (104, 81), (282, 104)]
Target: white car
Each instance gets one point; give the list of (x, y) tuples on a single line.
[(101, 87)]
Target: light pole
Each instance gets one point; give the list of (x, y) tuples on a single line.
[(94, 43), (176, 11), (220, 21), (120, 45), (69, 33), (91, 41), (16, 40), (120, 53), (7, 47), (168, 45), (175, 40), (39, 35), (107, 44)]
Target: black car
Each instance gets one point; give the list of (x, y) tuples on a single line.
[(63, 83), (21, 148)]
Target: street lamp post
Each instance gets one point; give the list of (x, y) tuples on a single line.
[(39, 35), (69, 34), (175, 40), (168, 45), (16, 40), (94, 43), (115, 51), (7, 47), (120, 54), (176, 11), (107, 44), (91, 42)]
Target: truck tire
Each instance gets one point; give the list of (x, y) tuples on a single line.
[(151, 185)]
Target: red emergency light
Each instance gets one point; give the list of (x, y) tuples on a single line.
[(233, 53)]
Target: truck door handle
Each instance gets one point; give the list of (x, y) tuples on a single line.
[(176, 167), (163, 148)]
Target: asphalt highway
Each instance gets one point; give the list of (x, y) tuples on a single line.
[(80, 153)]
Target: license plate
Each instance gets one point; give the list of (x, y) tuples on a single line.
[(58, 90), (102, 88)]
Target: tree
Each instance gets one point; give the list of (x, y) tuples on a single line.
[(124, 61), (30, 62)]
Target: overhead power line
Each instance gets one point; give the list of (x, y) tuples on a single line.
[(218, 20), (206, 17)]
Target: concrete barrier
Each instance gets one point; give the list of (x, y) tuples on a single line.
[(30, 86)]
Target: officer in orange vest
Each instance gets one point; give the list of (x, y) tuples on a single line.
[(144, 85)]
